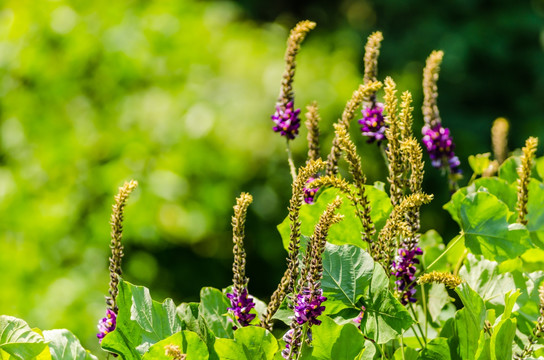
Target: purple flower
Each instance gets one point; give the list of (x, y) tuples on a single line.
[(286, 120), (290, 342), (359, 318), (404, 269), (308, 306), (106, 325), (309, 193), (440, 147), (241, 305), (373, 123)]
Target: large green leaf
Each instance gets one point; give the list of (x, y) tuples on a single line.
[(501, 188), (213, 308), (535, 212), (350, 231), (469, 321), (508, 169), (18, 340), (351, 279), (141, 322), (484, 224), (193, 321), (333, 341), (250, 342), (64, 345), (484, 277), (504, 332), (188, 342), (436, 349)]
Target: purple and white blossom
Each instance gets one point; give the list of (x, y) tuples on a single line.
[(404, 269), (287, 120), (373, 123), (106, 325), (241, 305), (440, 146)]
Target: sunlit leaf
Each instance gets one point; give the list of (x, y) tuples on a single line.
[(18, 340)]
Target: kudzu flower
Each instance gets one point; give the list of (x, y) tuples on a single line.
[(359, 318), (309, 192), (308, 306), (106, 325), (292, 340), (286, 120), (241, 305), (440, 146), (373, 123), (404, 269)]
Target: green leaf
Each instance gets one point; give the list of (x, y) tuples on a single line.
[(188, 313), (484, 277), (535, 212), (141, 322), (436, 349), (64, 345), (189, 343), (333, 341), (504, 191), (250, 342), (350, 231), (351, 279), (469, 321), (505, 331), (213, 308), (479, 162), (438, 298), (409, 354), (508, 169), (18, 340), (484, 224)]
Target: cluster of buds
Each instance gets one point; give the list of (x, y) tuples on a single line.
[(440, 146), (373, 123), (241, 305), (286, 120), (404, 269)]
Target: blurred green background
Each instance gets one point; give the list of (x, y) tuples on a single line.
[(178, 95)]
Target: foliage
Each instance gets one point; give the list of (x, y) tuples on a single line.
[(353, 287)]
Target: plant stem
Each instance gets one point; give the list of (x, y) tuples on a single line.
[(292, 167), (417, 337), (424, 299), (402, 345), (460, 262), (450, 245), (417, 323)]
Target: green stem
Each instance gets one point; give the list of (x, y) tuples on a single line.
[(292, 167), (450, 245), (417, 323), (417, 337), (402, 345), (424, 299), (460, 262)]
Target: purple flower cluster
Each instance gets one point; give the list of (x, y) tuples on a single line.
[(404, 269), (308, 306), (309, 193), (373, 123), (440, 147), (286, 120), (290, 341), (241, 305), (106, 325)]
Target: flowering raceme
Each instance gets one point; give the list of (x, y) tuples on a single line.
[(286, 120), (404, 269), (106, 325), (373, 123), (308, 306), (241, 305), (440, 147)]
